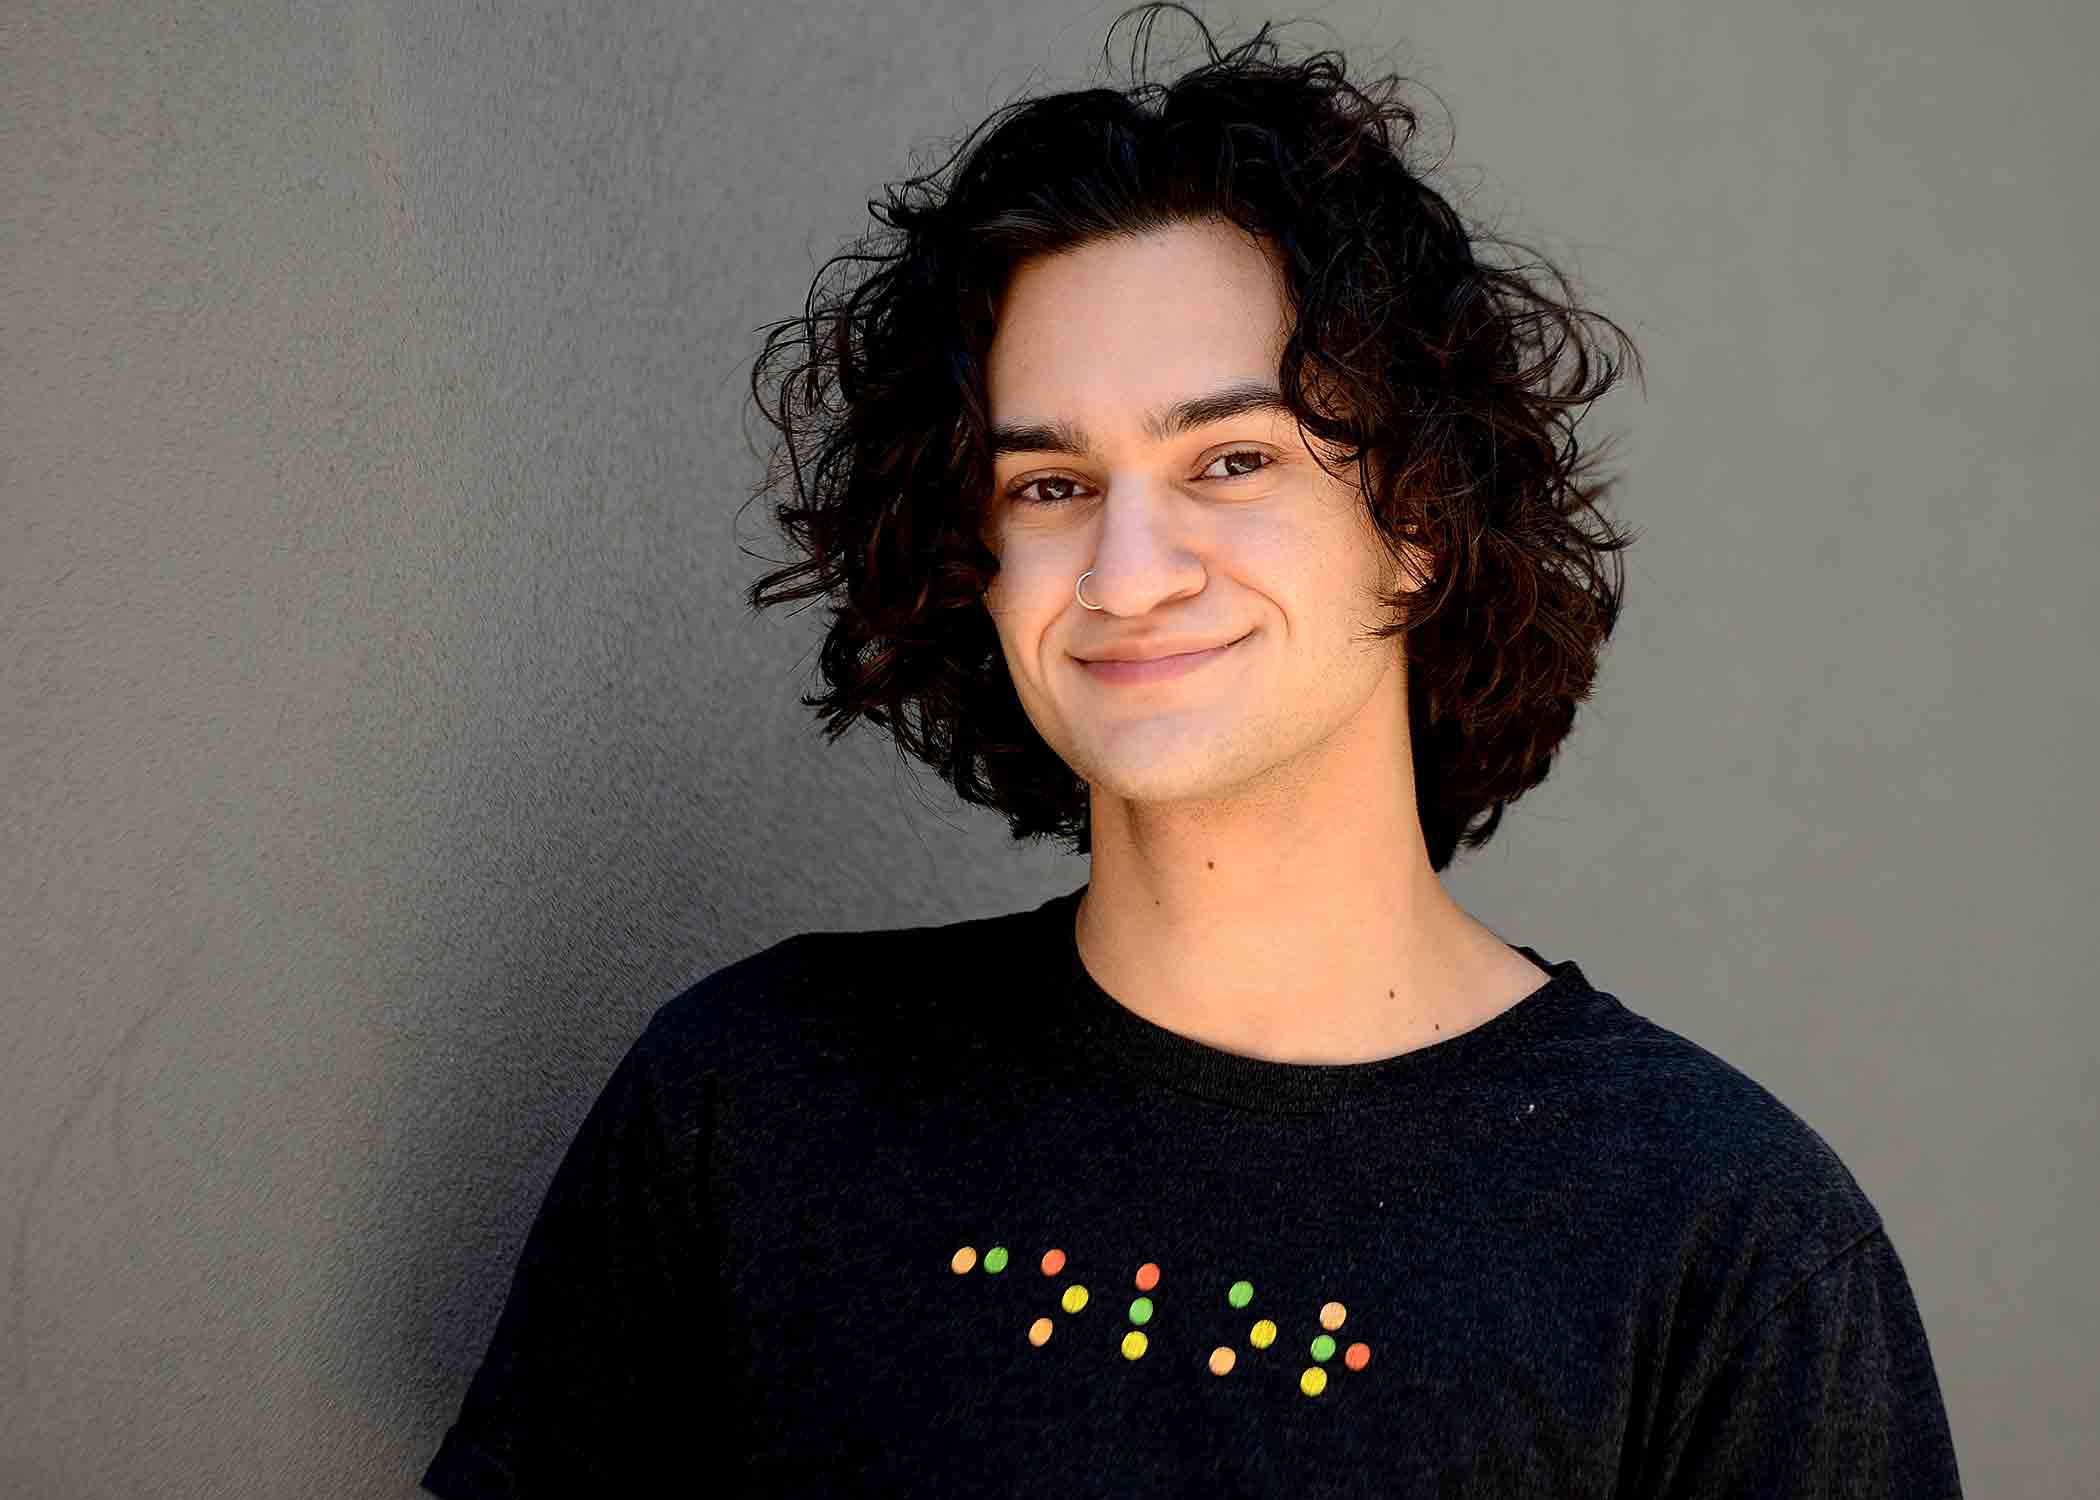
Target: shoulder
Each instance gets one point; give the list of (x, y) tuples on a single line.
[(1740, 1138), (1723, 1179), (1768, 1274), (849, 1001)]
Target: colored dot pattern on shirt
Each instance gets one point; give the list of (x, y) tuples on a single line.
[(1223, 1358)]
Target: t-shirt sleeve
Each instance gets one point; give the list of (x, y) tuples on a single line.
[(610, 1335), (1829, 1393)]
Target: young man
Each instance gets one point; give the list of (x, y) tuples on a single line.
[(1255, 1165)]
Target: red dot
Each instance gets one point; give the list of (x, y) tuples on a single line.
[(1053, 1262), (1147, 1276), (1358, 1356)]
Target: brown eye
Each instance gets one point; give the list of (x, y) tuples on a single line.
[(1236, 454), (1020, 491)]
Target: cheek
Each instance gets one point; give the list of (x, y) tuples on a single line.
[(1319, 582), (1278, 560), (1024, 597)]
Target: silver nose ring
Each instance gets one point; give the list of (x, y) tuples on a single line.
[(1079, 587)]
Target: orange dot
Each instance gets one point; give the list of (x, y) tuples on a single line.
[(1331, 1316), (1053, 1262), (1147, 1276), (1358, 1356), (1039, 1332), (1221, 1360), (964, 1259)]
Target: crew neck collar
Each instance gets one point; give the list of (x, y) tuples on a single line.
[(1119, 1039)]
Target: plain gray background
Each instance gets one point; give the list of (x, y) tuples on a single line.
[(385, 736)]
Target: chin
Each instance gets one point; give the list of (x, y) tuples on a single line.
[(1185, 776)]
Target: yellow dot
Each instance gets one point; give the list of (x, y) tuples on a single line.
[(1331, 1316), (1075, 1297), (1222, 1359), (1039, 1332), (1262, 1334), (1313, 1381), (1134, 1343), (965, 1258)]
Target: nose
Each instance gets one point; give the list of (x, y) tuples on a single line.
[(1142, 556)]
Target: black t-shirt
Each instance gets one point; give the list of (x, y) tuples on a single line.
[(926, 1212)]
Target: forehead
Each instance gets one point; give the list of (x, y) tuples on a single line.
[(1122, 325)]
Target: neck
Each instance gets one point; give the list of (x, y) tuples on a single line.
[(1299, 921)]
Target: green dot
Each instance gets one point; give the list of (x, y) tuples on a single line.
[(1323, 1346), (1141, 1310), (995, 1258), (1241, 1294)]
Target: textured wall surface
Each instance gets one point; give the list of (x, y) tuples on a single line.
[(382, 736)]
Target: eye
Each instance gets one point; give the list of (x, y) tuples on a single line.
[(1254, 460), (1020, 491), (1233, 454)]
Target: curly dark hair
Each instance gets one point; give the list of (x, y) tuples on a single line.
[(1455, 387)]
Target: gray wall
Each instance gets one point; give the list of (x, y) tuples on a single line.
[(383, 737)]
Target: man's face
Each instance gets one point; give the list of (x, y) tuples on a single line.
[(1224, 530)]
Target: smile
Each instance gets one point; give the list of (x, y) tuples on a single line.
[(1159, 669)]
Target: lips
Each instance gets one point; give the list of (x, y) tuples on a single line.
[(1158, 668), (1165, 649)]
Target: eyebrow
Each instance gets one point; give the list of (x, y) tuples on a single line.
[(1169, 421)]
